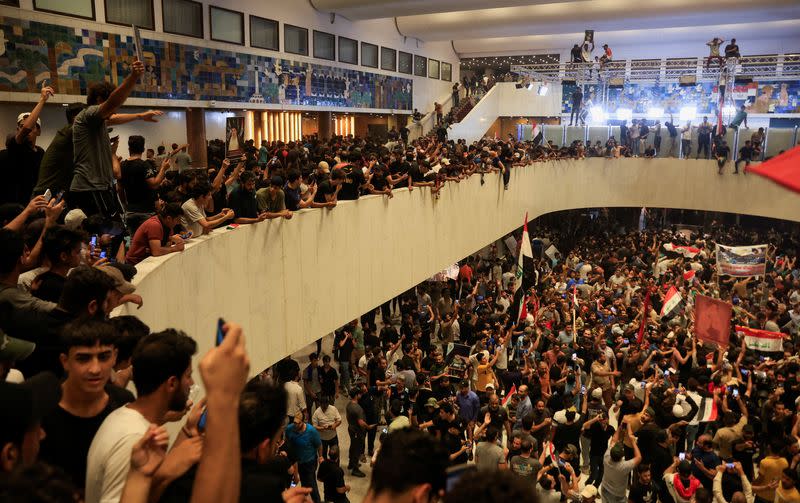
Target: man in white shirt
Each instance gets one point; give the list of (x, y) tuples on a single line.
[(295, 396), (326, 419), (163, 363)]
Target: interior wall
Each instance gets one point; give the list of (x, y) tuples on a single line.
[(289, 282)]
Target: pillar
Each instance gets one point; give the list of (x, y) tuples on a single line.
[(325, 125), (196, 136)]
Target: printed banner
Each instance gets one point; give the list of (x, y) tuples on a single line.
[(448, 274), (511, 244), (741, 260), (552, 252), (761, 340), (234, 136), (712, 320)]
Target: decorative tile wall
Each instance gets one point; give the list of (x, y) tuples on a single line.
[(71, 58), (758, 97)]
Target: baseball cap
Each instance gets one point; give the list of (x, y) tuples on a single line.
[(120, 284), (597, 393), (74, 219), (21, 117), (25, 404), (490, 386), (431, 402), (13, 349), (589, 491)]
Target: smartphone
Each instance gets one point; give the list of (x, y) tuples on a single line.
[(220, 331), (293, 484), (666, 373), (103, 254), (201, 424), (745, 372), (626, 341), (761, 358), (682, 456), (93, 241), (583, 390), (729, 466), (59, 197), (385, 431), (48, 195), (574, 356), (735, 392), (187, 235)]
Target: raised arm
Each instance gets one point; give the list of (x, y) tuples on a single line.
[(120, 94), (30, 122)]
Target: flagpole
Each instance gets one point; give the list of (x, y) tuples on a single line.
[(574, 325), (764, 278)]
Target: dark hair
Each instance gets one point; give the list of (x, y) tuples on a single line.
[(11, 248), (262, 409), (58, 240), (87, 333), (527, 421), (492, 433), (39, 483), (172, 210), (99, 92), (160, 356), (503, 485), (84, 284), (245, 177), (702, 495), (201, 189), (161, 149), (526, 445), (73, 110), (130, 330), (338, 174), (292, 176), (136, 144), (417, 455)]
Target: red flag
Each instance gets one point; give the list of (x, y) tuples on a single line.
[(712, 320), (646, 306)]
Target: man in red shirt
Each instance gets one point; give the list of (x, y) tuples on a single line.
[(465, 273), (155, 236)]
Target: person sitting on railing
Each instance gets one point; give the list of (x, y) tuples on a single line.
[(713, 46), (606, 57), (741, 116), (745, 156), (575, 54), (721, 153), (649, 152)]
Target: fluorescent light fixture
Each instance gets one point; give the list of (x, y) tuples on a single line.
[(597, 114), (688, 113), (655, 113), (543, 89), (624, 114)]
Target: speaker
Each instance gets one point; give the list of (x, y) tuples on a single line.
[(687, 80), (519, 85), (616, 83)]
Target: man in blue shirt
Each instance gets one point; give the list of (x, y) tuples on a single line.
[(468, 405), (303, 440)]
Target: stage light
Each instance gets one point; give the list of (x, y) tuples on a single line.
[(624, 114), (655, 113), (688, 114), (597, 114), (543, 89)]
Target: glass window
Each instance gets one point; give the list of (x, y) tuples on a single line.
[(128, 12), (405, 63), (76, 8), (295, 39), (369, 55), (324, 45), (264, 33), (226, 25), (420, 66), (433, 69), (13, 3), (447, 71), (183, 17), (388, 59), (348, 50)]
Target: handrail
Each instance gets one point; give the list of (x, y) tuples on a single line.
[(776, 66)]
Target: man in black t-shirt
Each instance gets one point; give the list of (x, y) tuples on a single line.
[(332, 476), (87, 397), (745, 156), (139, 181), (343, 346), (328, 379), (243, 200), (451, 432), (721, 152), (62, 247), (643, 490), (353, 183), (328, 190)]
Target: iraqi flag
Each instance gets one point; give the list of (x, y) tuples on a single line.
[(686, 251), (643, 325), (524, 279), (671, 301), (761, 340), (510, 393), (708, 410)]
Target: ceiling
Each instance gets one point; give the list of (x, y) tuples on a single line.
[(517, 26)]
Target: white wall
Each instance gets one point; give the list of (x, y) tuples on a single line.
[(289, 282), (505, 100), (380, 32)]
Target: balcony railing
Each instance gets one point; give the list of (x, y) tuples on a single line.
[(775, 66)]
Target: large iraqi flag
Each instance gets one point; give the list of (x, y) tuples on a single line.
[(761, 340), (524, 278)]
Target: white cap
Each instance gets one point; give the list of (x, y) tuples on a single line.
[(597, 393), (24, 115), (588, 492), (74, 219)]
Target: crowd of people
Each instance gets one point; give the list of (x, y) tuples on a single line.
[(86, 396)]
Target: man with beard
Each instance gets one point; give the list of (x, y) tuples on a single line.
[(163, 363)]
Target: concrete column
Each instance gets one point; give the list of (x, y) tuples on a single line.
[(196, 136), (325, 123)]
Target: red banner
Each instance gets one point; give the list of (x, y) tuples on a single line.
[(712, 320)]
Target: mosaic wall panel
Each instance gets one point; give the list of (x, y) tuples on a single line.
[(71, 58), (758, 97)]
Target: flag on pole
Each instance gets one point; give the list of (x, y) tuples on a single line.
[(708, 410), (524, 277), (646, 306), (671, 301), (761, 340)]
